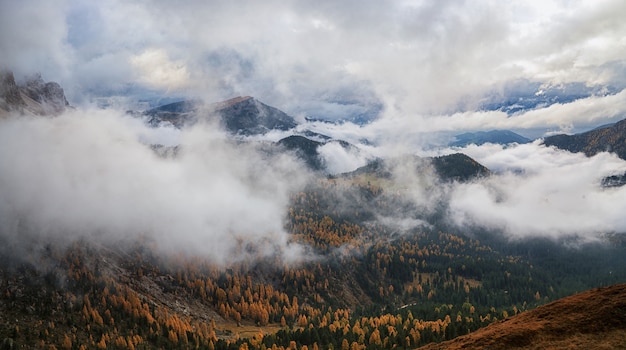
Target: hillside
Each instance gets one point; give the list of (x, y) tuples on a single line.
[(594, 319), (451, 167), (371, 284), (608, 139), (305, 149), (375, 262)]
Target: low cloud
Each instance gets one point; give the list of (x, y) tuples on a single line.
[(87, 174), (541, 191), (338, 159)]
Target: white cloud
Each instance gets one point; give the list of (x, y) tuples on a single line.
[(338, 159), (424, 61), (155, 69), (542, 191), (87, 174)]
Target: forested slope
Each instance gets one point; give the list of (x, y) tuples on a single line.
[(368, 285)]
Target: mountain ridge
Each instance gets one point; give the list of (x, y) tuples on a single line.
[(610, 138), (451, 167), (502, 137), (242, 115), (35, 96)]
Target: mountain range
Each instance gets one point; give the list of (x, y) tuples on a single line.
[(607, 138), (502, 137), (611, 138), (378, 271)]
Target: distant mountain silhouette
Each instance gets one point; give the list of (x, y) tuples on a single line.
[(606, 138), (610, 138), (502, 137)]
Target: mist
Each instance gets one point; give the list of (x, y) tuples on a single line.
[(427, 58), (537, 191), (417, 72), (91, 174), (533, 190)]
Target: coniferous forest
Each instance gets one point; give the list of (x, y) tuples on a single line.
[(367, 285), (312, 175)]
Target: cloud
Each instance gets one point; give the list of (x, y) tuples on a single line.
[(86, 174), (421, 133), (428, 58), (541, 191), (155, 69), (33, 37), (426, 66), (338, 159)]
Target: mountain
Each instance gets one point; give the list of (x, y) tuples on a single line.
[(594, 319), (246, 115), (239, 115), (502, 137), (451, 167), (307, 148), (10, 96), (607, 139), (377, 278), (458, 167), (179, 113), (35, 96), (304, 148), (366, 285)]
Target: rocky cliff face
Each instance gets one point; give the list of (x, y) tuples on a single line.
[(49, 95), (35, 96), (10, 98)]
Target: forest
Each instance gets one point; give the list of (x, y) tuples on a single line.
[(372, 285)]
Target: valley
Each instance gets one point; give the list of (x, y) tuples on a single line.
[(373, 258)]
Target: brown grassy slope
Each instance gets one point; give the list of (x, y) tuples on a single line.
[(594, 319)]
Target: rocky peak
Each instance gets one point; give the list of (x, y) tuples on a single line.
[(231, 102), (242, 115), (10, 98), (35, 96), (49, 94), (246, 115)]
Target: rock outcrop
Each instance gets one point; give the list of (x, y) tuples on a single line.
[(35, 96)]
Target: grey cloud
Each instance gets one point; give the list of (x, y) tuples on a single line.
[(423, 62), (33, 37), (430, 57)]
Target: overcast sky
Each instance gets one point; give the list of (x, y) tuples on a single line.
[(424, 62)]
